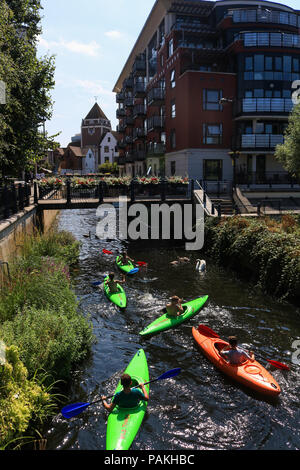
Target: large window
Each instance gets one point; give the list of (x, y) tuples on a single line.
[(266, 67), (172, 78), (171, 47), (212, 134), (211, 100)]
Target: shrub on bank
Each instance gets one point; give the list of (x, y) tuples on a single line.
[(40, 319), (263, 249)]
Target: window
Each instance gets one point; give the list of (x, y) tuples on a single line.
[(91, 130), (249, 63), (171, 47), (212, 134), (106, 149), (173, 139), (213, 170), (211, 100), (106, 159), (173, 168), (172, 79), (173, 109)]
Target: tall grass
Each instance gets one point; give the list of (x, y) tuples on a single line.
[(40, 321)]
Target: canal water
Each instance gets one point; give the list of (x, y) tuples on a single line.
[(200, 409)]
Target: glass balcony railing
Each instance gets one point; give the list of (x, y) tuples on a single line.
[(266, 141), (266, 39), (259, 15), (264, 105)]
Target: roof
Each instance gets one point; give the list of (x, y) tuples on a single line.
[(77, 151), (96, 113)]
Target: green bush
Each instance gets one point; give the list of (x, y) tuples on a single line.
[(21, 400), (265, 249)]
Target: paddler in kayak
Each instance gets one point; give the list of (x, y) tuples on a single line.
[(174, 309), (113, 284), (124, 258), (236, 355), (127, 398)]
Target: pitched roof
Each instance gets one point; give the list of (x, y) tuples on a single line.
[(77, 151), (96, 113)]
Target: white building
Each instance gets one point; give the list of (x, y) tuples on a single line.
[(108, 147)]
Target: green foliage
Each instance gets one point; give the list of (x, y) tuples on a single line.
[(288, 153), (21, 400), (263, 249), (43, 328), (28, 80), (109, 168)]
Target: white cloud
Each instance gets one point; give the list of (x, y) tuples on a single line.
[(95, 87), (90, 49), (113, 34)]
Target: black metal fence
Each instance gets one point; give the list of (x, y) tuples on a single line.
[(14, 198), (134, 190)]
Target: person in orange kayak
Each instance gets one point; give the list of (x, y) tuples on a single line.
[(113, 284), (128, 397), (236, 355), (175, 308)]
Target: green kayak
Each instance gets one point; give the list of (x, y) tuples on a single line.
[(165, 322), (118, 298), (128, 268), (124, 423)]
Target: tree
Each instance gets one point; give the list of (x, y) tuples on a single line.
[(288, 153), (28, 79)]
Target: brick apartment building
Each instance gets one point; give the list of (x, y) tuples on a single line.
[(206, 89)]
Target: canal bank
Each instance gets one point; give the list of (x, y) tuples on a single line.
[(264, 251)]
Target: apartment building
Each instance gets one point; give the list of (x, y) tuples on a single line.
[(206, 90)]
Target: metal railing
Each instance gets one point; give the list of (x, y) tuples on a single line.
[(270, 178), (263, 39), (243, 15), (14, 198)]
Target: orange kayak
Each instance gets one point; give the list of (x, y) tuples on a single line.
[(250, 373)]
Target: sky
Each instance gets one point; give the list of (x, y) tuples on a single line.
[(91, 41)]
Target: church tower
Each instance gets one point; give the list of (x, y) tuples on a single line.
[(93, 127)]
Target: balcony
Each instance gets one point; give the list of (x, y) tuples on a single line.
[(139, 90), (120, 97), (138, 133), (121, 128), (259, 141), (269, 39), (156, 150), (244, 15), (139, 110), (139, 155), (156, 96), (128, 121), (155, 122), (139, 67), (263, 106), (128, 102), (128, 139), (121, 144), (120, 113), (128, 84)]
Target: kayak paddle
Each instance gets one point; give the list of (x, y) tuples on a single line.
[(73, 410), (205, 330), (139, 263)]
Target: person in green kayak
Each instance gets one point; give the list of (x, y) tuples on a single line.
[(236, 355), (174, 309), (112, 283), (128, 397), (124, 258)]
